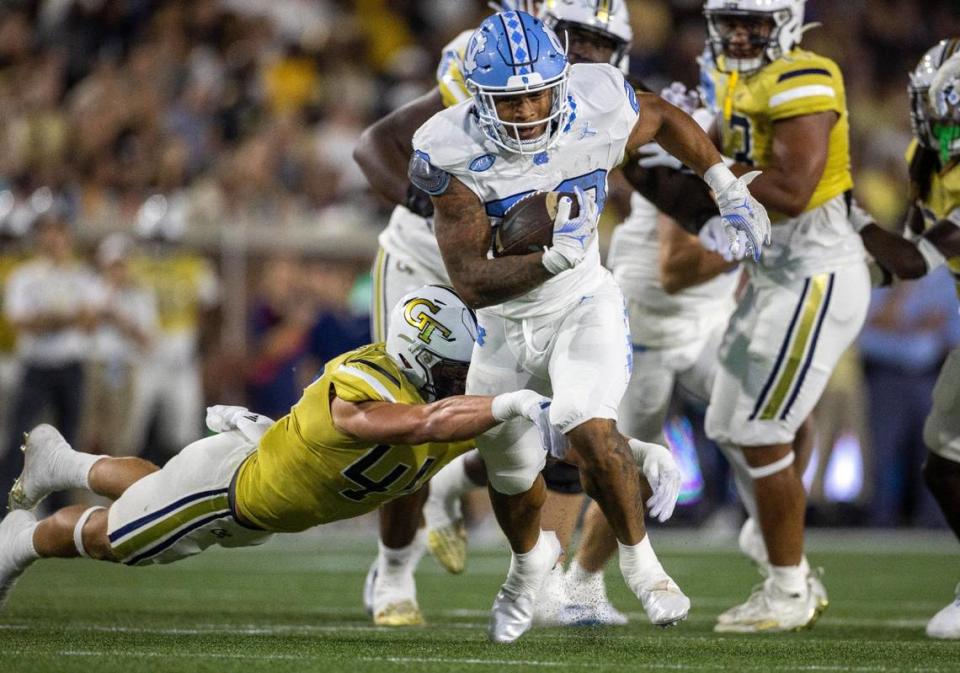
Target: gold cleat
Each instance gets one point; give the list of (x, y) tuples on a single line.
[(404, 613), (448, 544)]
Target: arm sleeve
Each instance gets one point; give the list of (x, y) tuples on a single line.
[(16, 300)]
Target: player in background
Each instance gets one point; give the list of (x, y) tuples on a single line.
[(781, 109), (408, 256), (933, 227), (16, 220), (187, 290), (555, 319), (376, 424)]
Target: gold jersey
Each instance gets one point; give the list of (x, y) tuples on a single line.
[(183, 284), (801, 83), (453, 88), (305, 472), (943, 202)]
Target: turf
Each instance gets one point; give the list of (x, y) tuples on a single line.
[(294, 605)]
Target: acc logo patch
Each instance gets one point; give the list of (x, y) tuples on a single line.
[(481, 164), (417, 314)]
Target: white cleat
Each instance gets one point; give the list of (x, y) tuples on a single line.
[(663, 601), (391, 604), (10, 567), (770, 610), (512, 613), (46, 462), (589, 605), (753, 547), (946, 623)]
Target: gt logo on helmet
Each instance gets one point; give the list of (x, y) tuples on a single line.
[(416, 314)]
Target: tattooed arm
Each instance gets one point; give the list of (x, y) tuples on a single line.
[(463, 232)]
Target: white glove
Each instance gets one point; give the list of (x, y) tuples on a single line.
[(224, 418), (663, 475), (571, 237), (653, 155), (713, 237), (678, 94), (536, 409), (744, 218)]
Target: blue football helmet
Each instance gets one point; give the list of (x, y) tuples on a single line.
[(510, 54)]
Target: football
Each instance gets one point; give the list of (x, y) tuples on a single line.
[(528, 225)]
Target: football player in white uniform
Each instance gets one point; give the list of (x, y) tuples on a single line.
[(782, 109), (555, 319), (597, 32), (935, 229)]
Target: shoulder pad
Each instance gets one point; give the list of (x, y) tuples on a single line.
[(425, 176)]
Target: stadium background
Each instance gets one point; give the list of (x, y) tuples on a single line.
[(243, 115)]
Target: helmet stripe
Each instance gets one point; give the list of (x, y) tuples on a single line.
[(519, 44)]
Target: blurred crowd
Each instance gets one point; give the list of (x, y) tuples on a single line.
[(142, 135)]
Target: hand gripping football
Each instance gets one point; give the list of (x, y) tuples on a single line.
[(528, 225)]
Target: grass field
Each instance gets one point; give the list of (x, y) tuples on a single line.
[(294, 605)]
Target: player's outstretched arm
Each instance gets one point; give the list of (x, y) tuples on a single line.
[(452, 419), (463, 233), (384, 148), (744, 219)]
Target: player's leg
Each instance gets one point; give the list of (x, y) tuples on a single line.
[(514, 459), (390, 591), (446, 532), (51, 465), (778, 355), (594, 338), (941, 433), (642, 413), (161, 517)]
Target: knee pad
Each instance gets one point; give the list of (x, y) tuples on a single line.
[(563, 478), (512, 482), (78, 531)]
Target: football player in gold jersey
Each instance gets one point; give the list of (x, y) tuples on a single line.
[(376, 424), (934, 223), (782, 110)]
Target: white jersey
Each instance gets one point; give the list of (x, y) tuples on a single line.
[(604, 110), (672, 319), (411, 237)]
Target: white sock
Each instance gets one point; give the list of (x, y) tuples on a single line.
[(78, 471), (449, 484), (791, 579), (24, 553), (639, 563), (394, 564), (525, 574)]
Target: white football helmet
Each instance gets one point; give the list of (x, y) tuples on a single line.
[(930, 126), (431, 336), (608, 18), (787, 17)]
